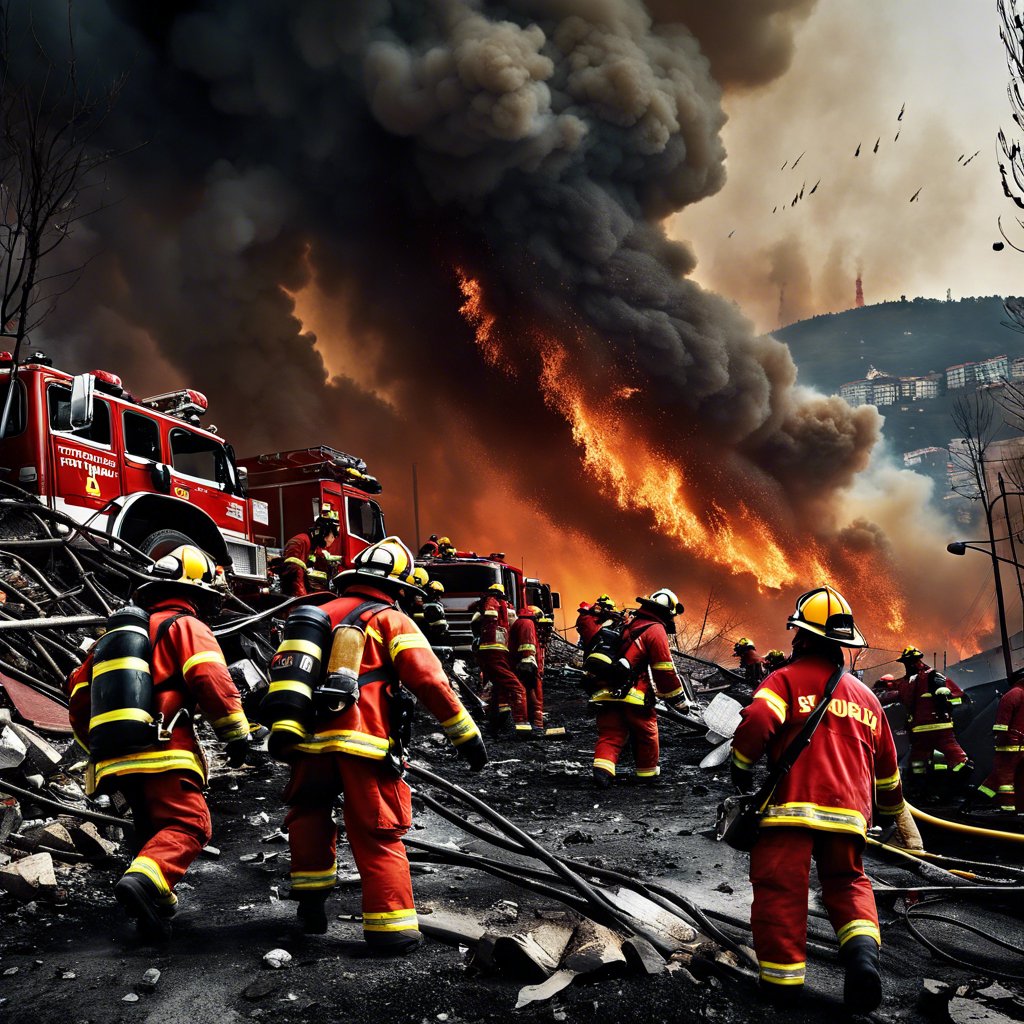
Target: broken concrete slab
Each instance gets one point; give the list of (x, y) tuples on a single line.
[(545, 990), (453, 929), (648, 913), (12, 748), (964, 1010), (10, 816), (53, 836), (42, 756), (30, 878), (642, 956), (89, 843)]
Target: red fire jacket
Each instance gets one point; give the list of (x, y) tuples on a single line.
[(297, 560), (526, 653), (188, 671), (645, 641), (917, 694), (1009, 725), (395, 650), (753, 666), (850, 760), (493, 613)]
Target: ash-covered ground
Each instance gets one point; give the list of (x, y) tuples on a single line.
[(81, 962)]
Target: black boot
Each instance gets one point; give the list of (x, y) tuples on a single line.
[(312, 912), (780, 996), (862, 991), (385, 944), (602, 779), (141, 901)]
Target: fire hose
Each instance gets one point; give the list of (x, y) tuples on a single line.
[(972, 830), (514, 840)]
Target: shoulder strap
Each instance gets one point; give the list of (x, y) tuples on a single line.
[(363, 612), (636, 636), (796, 748), (164, 627)]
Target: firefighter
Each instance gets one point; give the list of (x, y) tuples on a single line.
[(305, 561), (431, 549), (445, 548), (627, 712), (435, 622), (821, 808), (751, 664), (929, 698), (508, 696), (1004, 786), (357, 751), (414, 597), (773, 660), (592, 617), (164, 784), (527, 655)]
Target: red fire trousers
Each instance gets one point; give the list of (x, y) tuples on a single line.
[(507, 692), (535, 702), (780, 865), (618, 723), (377, 812), (944, 740), (172, 824), (1005, 783)]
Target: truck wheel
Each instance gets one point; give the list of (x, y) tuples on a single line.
[(160, 543)]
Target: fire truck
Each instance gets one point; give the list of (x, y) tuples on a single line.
[(466, 577), (145, 471)]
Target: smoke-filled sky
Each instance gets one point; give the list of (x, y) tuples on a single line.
[(854, 66), (462, 234)]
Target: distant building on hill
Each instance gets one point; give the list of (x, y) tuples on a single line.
[(985, 371)]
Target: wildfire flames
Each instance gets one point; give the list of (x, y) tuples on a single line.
[(627, 468)]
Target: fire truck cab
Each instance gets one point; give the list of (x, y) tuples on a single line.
[(290, 489), (144, 470), (466, 579)]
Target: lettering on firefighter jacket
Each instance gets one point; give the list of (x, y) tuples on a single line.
[(188, 672), (645, 647), (849, 764), (394, 651)]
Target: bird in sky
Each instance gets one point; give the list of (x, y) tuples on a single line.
[(971, 157), (731, 233), (815, 189), (774, 208), (783, 167), (897, 139), (960, 157), (916, 194), (802, 187), (798, 159), (900, 117), (858, 150), (877, 141)]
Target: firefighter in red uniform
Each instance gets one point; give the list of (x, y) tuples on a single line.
[(592, 617), (930, 699), (627, 713), (529, 633), (1004, 786), (351, 751), (305, 561), (773, 660), (821, 808), (751, 664), (163, 785), (508, 696)]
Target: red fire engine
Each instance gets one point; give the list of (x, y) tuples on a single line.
[(290, 489), (467, 576), (146, 472)]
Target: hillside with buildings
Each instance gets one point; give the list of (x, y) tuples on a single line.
[(911, 359)]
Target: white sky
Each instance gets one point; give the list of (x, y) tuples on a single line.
[(857, 61)]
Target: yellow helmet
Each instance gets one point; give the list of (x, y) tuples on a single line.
[(605, 601), (825, 612), (910, 653), (436, 587), (496, 588), (187, 568), (388, 564), (742, 644), (418, 577)]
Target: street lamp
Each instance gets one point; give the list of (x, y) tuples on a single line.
[(959, 547)]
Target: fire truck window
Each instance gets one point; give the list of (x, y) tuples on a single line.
[(16, 417), (462, 578), (198, 456), (141, 437), (58, 398), (365, 520)]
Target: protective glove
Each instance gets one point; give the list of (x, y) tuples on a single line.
[(680, 704), (742, 779), (238, 751), (473, 752)]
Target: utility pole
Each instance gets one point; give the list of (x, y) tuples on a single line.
[(416, 508), (1000, 603)]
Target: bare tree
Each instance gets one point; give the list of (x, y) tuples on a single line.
[(49, 173), (706, 634), (975, 421), (1011, 161)]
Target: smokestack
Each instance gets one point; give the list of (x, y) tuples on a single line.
[(858, 300)]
